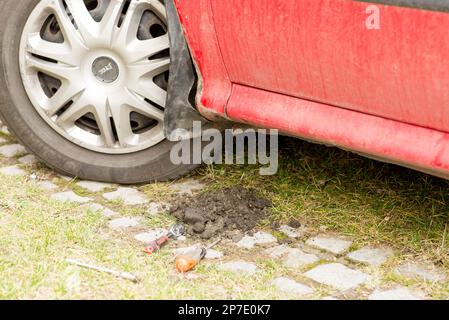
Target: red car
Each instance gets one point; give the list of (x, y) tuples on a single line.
[(93, 87)]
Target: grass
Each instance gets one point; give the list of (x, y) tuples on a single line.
[(325, 188)]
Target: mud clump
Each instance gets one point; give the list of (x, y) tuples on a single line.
[(222, 212)]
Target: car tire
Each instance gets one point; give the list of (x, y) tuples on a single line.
[(55, 150)]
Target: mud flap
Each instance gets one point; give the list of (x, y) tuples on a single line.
[(179, 111)]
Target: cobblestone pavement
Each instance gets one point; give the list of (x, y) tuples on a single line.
[(317, 266)]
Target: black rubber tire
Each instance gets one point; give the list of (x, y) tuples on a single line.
[(53, 149)]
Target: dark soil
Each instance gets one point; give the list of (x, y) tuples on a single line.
[(224, 212)]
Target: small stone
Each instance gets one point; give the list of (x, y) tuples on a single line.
[(105, 212), (155, 208), (331, 244), (123, 223), (47, 185), (29, 160), (213, 254), (399, 293), (296, 258), (419, 270), (188, 187), (34, 176), (290, 286), (338, 276), (12, 171), (147, 237), (129, 196), (93, 186), (258, 238), (69, 196), (239, 267), (12, 150), (371, 256), (289, 231), (182, 238)]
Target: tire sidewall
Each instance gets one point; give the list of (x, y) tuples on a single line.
[(55, 150)]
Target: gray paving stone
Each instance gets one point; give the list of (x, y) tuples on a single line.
[(29, 160), (370, 256), (338, 276), (93, 186), (290, 232), (69, 196), (290, 286), (156, 208), (296, 258), (105, 212), (330, 244), (5, 130), (129, 196), (123, 223), (12, 150), (277, 251), (258, 238), (239, 267), (210, 255), (399, 293), (188, 187), (47, 185), (420, 270), (213, 254), (66, 178), (147, 237), (13, 171)]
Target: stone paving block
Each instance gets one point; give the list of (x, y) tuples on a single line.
[(258, 238), (156, 208), (123, 223), (290, 286), (105, 212), (69, 196), (338, 276), (239, 267), (297, 258), (29, 160), (399, 293), (5, 130), (371, 256), (188, 187), (47, 185), (147, 237), (93, 186), (213, 254), (330, 244), (129, 196), (423, 271), (289, 231), (13, 171), (277, 251), (12, 150)]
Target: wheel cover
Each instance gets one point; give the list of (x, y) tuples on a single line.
[(96, 71)]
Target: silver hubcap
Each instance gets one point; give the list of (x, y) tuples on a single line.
[(97, 70)]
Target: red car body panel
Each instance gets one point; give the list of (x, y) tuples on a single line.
[(312, 69)]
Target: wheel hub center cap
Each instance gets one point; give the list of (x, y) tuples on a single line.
[(105, 69)]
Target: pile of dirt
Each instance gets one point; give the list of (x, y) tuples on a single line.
[(221, 212)]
